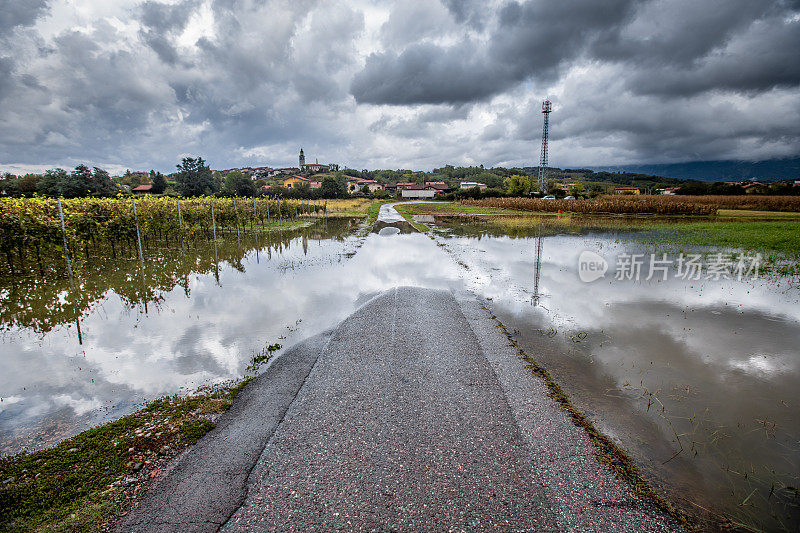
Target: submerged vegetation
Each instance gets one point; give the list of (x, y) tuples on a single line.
[(33, 238), (82, 484)]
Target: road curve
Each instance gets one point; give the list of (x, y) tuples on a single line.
[(416, 415)]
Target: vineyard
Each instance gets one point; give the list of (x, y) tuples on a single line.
[(657, 205), (37, 236)]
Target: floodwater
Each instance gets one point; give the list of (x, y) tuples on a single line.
[(697, 379)]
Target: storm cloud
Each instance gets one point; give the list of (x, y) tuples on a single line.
[(410, 84)]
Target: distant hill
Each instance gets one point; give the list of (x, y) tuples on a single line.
[(773, 169)]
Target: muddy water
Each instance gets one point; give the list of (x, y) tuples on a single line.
[(697, 379)]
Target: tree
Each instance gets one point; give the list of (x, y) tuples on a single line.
[(100, 183), (158, 181), (27, 184), (52, 183), (333, 187), (517, 184), (9, 185), (238, 184), (194, 178)]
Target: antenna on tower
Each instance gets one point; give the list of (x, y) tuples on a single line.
[(546, 109)]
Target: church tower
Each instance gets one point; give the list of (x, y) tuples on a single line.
[(302, 159)]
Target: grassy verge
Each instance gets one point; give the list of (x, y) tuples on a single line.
[(84, 483), (349, 207), (408, 214)]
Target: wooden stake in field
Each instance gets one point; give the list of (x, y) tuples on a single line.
[(64, 232), (180, 223), (141, 255), (216, 258), (236, 212), (213, 221), (138, 235)]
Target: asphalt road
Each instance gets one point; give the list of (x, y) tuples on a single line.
[(416, 414)]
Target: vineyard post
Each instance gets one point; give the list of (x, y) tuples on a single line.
[(295, 208), (213, 221), (269, 222), (64, 232), (216, 258), (236, 212), (138, 235), (180, 223)]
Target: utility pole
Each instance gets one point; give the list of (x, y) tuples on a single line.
[(546, 109)]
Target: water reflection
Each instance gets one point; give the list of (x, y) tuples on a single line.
[(204, 321), (698, 379)]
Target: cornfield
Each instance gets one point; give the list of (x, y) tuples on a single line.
[(33, 239), (751, 202), (658, 205)]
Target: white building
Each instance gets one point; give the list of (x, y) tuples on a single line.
[(418, 193), (471, 184)]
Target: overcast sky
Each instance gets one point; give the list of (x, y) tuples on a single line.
[(373, 84)]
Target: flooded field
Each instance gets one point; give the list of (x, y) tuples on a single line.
[(696, 378)]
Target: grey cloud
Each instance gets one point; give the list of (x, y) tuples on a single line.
[(530, 40), (427, 74), (680, 48), (654, 80), (758, 61), (166, 17), (470, 12), (20, 13), (160, 21), (6, 71)]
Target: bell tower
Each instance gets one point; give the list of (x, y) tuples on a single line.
[(302, 159)]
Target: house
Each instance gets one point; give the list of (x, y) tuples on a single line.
[(564, 186), (143, 189), (472, 184), (295, 181), (439, 187), (352, 185), (315, 167), (668, 191), (419, 191), (406, 185), (627, 190), (314, 184), (282, 171), (370, 185)]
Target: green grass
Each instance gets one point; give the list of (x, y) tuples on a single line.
[(83, 483), (782, 237), (409, 216), (747, 213)]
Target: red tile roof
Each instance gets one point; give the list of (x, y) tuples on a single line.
[(142, 188)]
